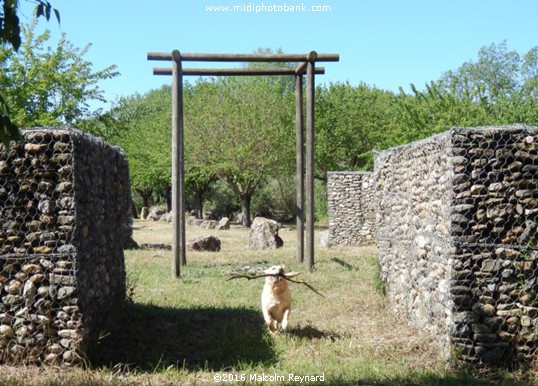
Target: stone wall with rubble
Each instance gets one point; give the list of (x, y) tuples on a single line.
[(64, 214), (457, 229), (350, 207)]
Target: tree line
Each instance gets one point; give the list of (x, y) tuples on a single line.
[(240, 131)]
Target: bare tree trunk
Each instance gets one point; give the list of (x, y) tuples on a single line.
[(168, 198), (145, 194), (245, 210), (200, 200), (134, 210)]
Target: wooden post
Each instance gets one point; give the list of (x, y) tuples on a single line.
[(310, 91), (299, 176), (178, 200)]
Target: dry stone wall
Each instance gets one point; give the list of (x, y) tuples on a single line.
[(456, 219), (350, 207), (64, 216)]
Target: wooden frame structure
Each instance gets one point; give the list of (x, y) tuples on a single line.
[(305, 186)]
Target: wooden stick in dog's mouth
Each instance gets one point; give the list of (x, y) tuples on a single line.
[(281, 275)]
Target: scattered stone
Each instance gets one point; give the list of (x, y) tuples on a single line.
[(155, 214), (264, 234), (193, 221), (224, 224), (207, 243), (323, 238), (155, 246), (209, 224), (166, 217)]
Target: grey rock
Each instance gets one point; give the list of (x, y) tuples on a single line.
[(264, 234), (223, 224), (323, 238), (207, 243), (155, 214)]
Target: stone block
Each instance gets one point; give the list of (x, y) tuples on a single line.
[(470, 195), (66, 213)]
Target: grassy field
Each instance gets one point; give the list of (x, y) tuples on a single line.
[(200, 327)]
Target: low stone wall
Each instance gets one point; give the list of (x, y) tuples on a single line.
[(351, 212), (456, 219), (65, 211)]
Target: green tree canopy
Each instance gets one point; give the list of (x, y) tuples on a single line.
[(10, 34), (48, 86), (140, 125), (349, 120), (240, 129), (498, 88)]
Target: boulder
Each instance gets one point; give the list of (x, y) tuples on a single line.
[(166, 217), (323, 239), (264, 234), (156, 246), (223, 224), (209, 224), (206, 243), (155, 214), (194, 221)]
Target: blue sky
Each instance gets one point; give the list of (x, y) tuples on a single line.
[(386, 43)]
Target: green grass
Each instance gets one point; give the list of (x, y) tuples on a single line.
[(187, 330)]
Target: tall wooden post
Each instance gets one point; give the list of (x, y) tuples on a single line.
[(310, 92), (299, 177), (178, 191)]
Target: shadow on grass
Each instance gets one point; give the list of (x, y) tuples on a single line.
[(344, 264), (311, 332), (150, 338)]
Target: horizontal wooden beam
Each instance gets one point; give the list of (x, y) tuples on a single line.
[(234, 71), (244, 57)]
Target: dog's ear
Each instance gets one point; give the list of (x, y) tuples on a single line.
[(292, 274)]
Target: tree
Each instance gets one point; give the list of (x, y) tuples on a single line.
[(239, 129), (140, 125), (348, 119), (49, 86), (495, 74), (499, 88), (10, 33), (529, 72)]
